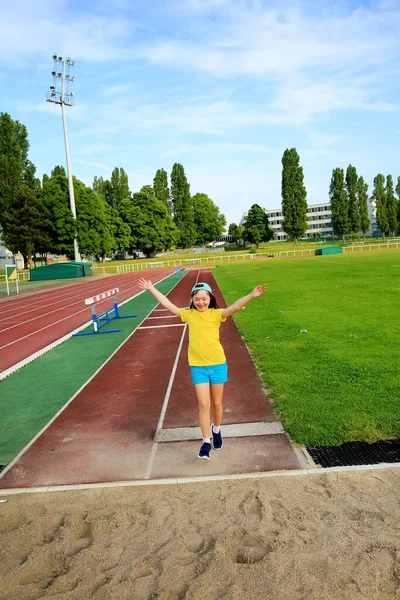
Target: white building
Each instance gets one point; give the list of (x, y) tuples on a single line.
[(6, 257), (319, 219)]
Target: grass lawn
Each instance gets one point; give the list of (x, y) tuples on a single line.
[(340, 381)]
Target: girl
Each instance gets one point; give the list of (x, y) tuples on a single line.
[(206, 356)]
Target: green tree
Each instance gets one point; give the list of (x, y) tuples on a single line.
[(391, 205), (153, 229), (116, 194), (398, 204), (351, 192), (182, 207), (13, 155), (362, 202), (339, 206), (55, 194), (18, 186), (93, 235), (256, 228), (379, 197), (27, 225), (294, 196), (208, 221), (117, 189), (236, 231), (161, 189)]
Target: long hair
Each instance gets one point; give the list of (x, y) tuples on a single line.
[(213, 300)]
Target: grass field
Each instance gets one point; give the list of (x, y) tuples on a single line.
[(340, 381)]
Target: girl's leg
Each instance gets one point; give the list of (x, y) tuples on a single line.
[(203, 398), (217, 391)]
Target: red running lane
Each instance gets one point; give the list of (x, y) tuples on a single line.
[(31, 323)]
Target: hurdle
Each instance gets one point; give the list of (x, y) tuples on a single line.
[(105, 316)]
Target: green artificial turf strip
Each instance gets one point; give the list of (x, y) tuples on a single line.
[(340, 381), (31, 396)]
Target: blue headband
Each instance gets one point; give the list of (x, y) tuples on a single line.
[(201, 286)]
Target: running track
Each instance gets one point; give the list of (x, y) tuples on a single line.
[(31, 322), (105, 433)]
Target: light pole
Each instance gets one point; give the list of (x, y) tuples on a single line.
[(65, 98)]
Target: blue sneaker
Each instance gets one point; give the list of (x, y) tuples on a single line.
[(217, 439), (204, 451)]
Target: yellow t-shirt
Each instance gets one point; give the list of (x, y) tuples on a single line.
[(204, 346)]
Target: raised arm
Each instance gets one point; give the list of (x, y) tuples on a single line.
[(256, 293), (163, 300)]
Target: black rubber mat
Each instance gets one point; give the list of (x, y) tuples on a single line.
[(356, 453)]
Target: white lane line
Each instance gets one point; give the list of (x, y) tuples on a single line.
[(84, 292), (163, 326), (64, 319), (39, 353), (165, 404), (167, 317), (59, 309), (12, 463)]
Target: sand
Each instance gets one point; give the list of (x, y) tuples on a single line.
[(313, 536)]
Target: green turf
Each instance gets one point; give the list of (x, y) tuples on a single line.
[(340, 381), (31, 396)]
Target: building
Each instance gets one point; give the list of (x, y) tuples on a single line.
[(319, 219)]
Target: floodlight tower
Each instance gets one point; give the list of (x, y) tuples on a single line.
[(65, 98)]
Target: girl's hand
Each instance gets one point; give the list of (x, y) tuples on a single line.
[(145, 284), (259, 290)]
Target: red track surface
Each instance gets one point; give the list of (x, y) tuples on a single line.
[(33, 321), (106, 433)]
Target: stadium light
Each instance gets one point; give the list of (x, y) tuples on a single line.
[(65, 97)]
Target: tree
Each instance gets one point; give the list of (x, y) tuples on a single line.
[(153, 229), (160, 186), (13, 152), (351, 192), (294, 196), (93, 235), (27, 224), (208, 221), (117, 197), (398, 203), (391, 205), (117, 189), (55, 194), (339, 206), (256, 228), (236, 231), (182, 207), (362, 202), (379, 197)]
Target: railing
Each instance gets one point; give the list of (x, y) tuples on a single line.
[(207, 260)]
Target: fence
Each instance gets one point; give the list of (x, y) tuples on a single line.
[(210, 260)]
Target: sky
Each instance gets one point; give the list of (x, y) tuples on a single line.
[(221, 86)]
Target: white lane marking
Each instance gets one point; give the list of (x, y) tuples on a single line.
[(39, 353), (60, 320), (167, 317), (12, 463), (165, 403), (163, 326)]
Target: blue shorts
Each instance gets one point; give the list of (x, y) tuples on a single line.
[(211, 374)]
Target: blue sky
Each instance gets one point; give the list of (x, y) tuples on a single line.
[(221, 86)]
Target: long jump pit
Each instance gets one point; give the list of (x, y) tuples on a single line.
[(136, 420)]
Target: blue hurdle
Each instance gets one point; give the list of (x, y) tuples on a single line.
[(105, 316)]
